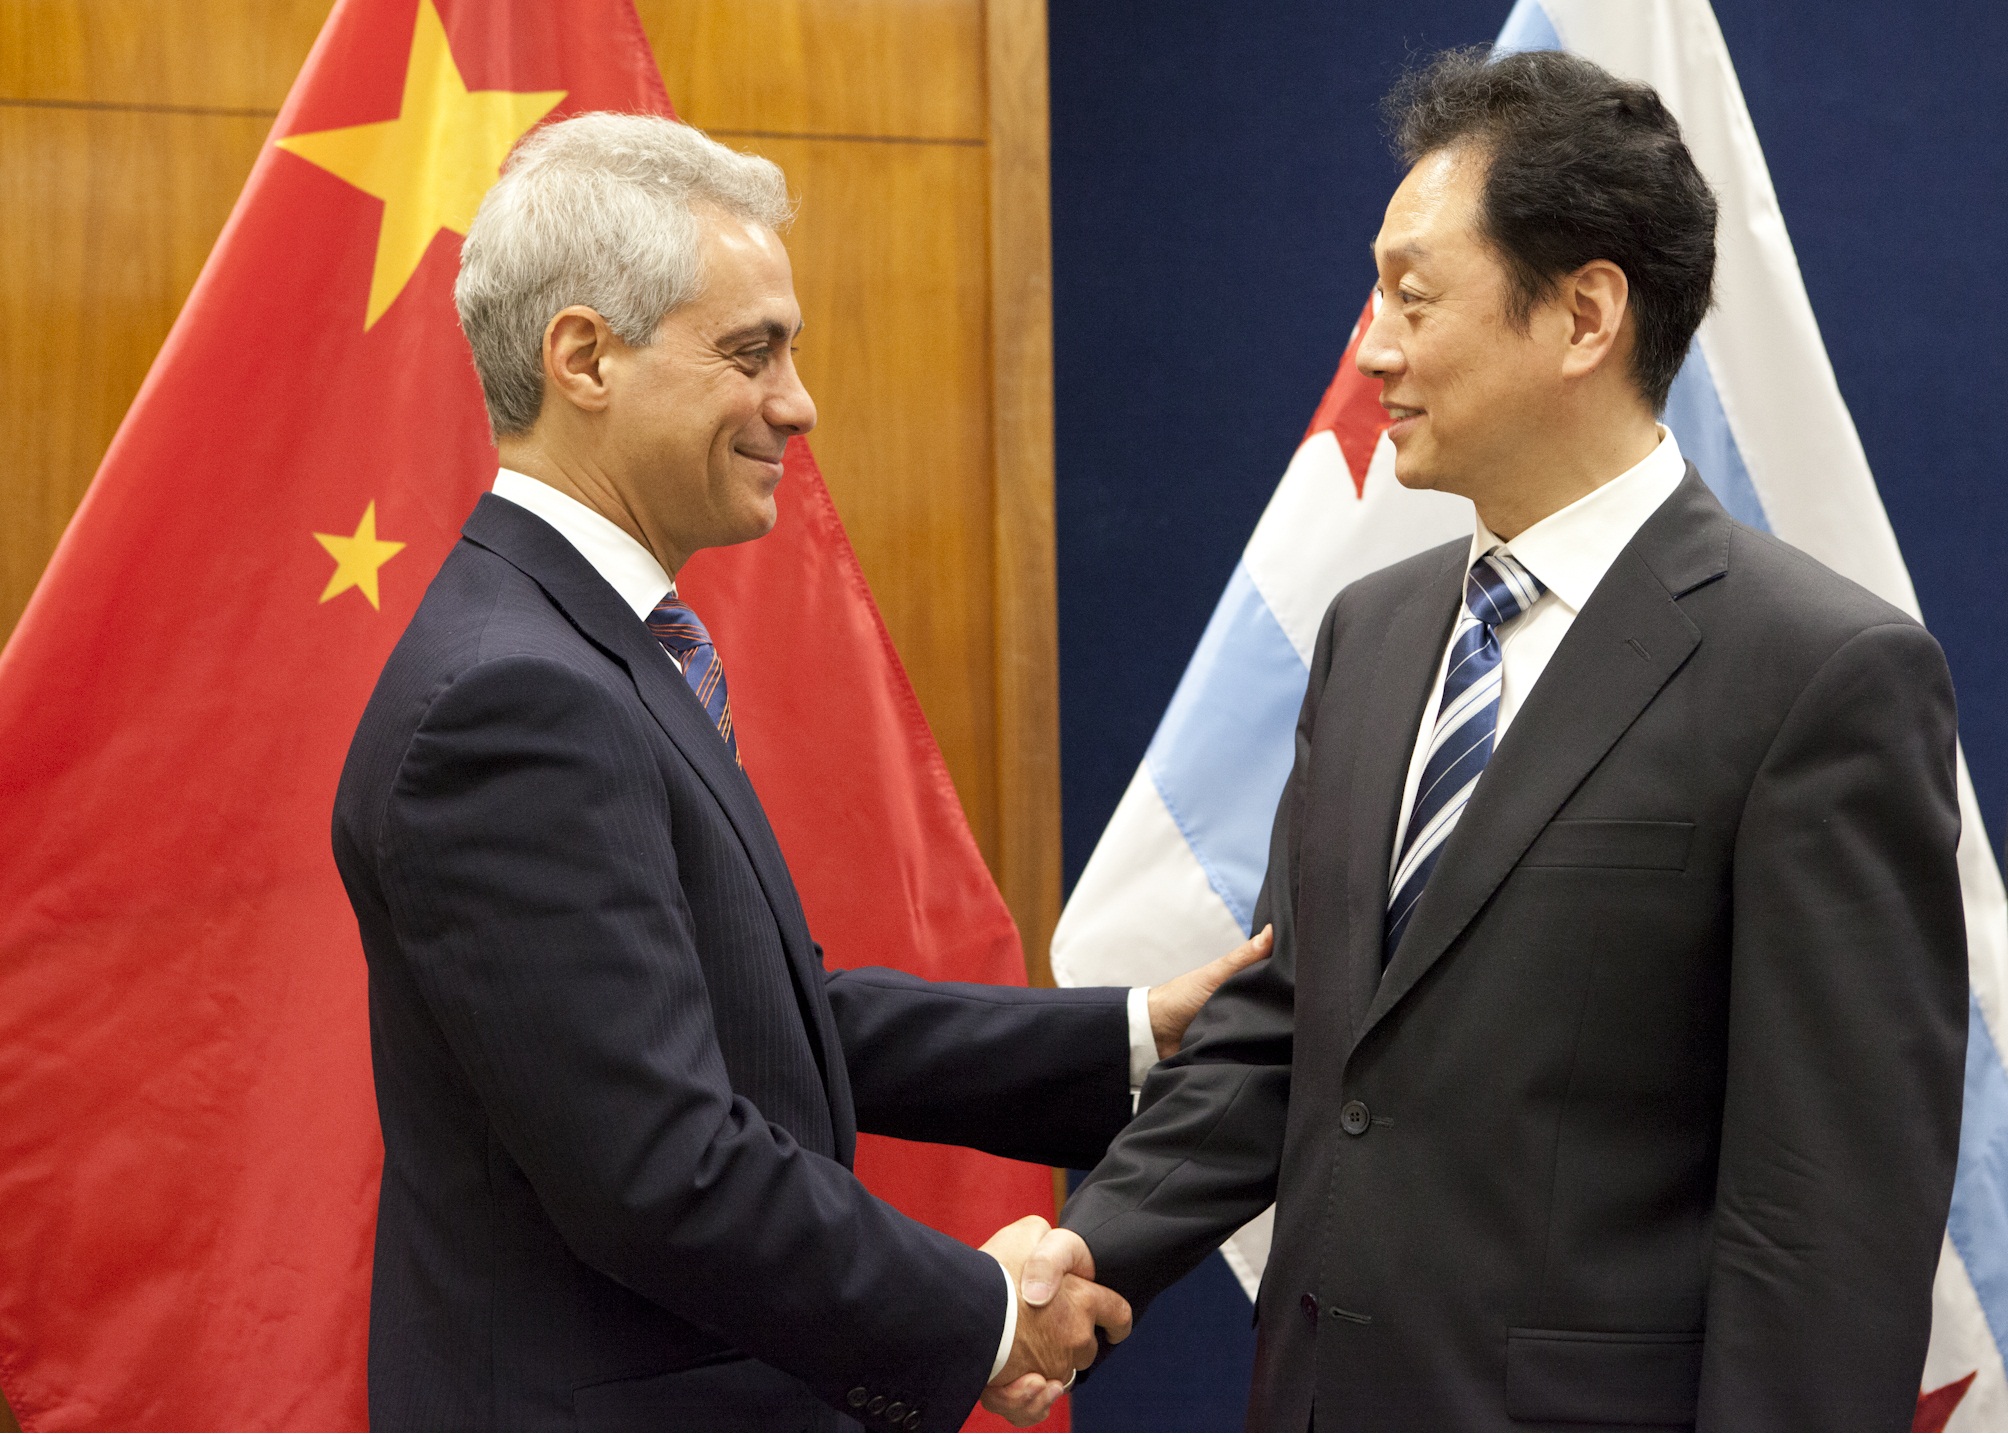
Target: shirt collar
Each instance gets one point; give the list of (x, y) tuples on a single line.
[(1571, 550), (629, 569)]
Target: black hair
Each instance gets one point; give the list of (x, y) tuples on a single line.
[(1581, 166)]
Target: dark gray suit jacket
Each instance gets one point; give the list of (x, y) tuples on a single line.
[(1652, 1118), (619, 1091)]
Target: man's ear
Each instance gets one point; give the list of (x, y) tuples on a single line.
[(1597, 298), (576, 344)]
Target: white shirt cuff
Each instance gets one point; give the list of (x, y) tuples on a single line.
[(1143, 1042), (1010, 1323)]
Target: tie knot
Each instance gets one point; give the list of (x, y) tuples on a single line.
[(1498, 589), (676, 627)]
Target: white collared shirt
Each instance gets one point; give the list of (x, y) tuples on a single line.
[(632, 571), (1569, 551)]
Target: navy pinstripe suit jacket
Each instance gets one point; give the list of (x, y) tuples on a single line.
[(619, 1092)]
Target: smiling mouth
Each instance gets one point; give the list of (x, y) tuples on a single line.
[(1402, 419)]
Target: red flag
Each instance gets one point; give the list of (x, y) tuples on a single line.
[(188, 1140), (1351, 408)]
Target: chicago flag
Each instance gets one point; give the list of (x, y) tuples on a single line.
[(1174, 878)]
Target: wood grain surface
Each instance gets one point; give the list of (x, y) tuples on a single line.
[(873, 69), (106, 217), (1027, 862), (889, 248), (204, 54)]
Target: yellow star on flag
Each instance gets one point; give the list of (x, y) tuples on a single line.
[(357, 558), (431, 165)]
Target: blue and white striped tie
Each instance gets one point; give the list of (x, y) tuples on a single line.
[(1496, 590)]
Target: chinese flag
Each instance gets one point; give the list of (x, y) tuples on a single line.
[(188, 1141)]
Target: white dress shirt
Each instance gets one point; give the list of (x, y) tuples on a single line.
[(630, 569), (633, 572), (1569, 551)]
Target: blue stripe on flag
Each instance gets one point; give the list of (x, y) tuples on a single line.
[(1527, 28), (1979, 1220), (1223, 751), (1694, 413)]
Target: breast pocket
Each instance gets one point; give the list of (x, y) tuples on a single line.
[(1625, 846)]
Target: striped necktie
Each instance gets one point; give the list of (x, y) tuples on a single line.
[(1497, 590), (683, 637)]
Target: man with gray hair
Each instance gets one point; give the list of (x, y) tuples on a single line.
[(619, 1092)]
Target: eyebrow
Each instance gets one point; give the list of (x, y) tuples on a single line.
[(767, 329)]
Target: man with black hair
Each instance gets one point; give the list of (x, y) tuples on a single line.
[(1608, 1068)]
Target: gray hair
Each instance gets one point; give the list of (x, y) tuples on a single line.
[(595, 210)]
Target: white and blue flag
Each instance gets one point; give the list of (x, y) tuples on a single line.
[(1174, 879)]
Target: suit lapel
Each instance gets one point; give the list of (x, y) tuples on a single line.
[(1628, 641), (683, 718), (1403, 678), (541, 553)]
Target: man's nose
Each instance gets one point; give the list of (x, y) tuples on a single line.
[(791, 409), (1377, 357)]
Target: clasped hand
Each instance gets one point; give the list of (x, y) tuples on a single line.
[(1059, 1305), (1059, 1309)]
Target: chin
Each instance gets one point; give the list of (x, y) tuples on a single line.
[(1411, 472), (758, 523)]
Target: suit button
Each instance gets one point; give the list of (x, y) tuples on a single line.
[(877, 1406), (858, 1397), (913, 1420), (1354, 1117), (1309, 1305), (895, 1411)]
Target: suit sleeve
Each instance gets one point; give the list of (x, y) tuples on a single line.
[(532, 877), (1032, 1075), (1846, 1042), (1201, 1156)]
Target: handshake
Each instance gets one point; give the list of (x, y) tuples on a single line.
[(1059, 1309), (1059, 1305)]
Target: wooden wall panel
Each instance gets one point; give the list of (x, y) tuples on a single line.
[(889, 249), (877, 68), (1027, 863), (106, 217), (210, 54)]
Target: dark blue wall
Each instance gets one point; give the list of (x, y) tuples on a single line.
[(1218, 172)]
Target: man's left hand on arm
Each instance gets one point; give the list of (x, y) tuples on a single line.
[(1173, 1004)]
